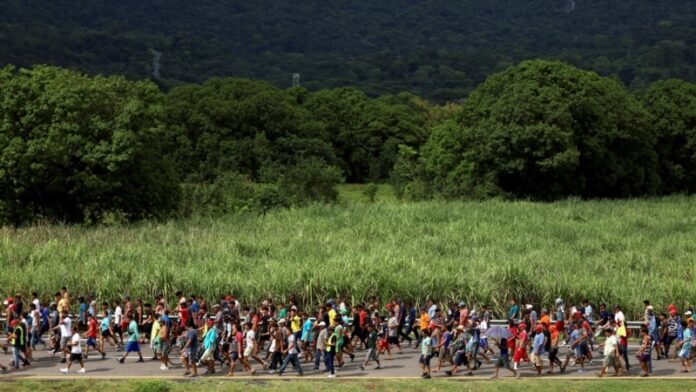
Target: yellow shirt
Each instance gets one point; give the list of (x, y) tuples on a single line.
[(63, 305), (295, 324), (621, 331), (155, 331), (332, 317)]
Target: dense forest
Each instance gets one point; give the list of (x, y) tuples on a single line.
[(77, 148), (439, 50)]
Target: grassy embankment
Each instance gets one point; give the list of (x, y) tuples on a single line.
[(613, 251)]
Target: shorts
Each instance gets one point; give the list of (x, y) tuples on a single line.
[(609, 361), (132, 347), (372, 355), (163, 347), (443, 355), (483, 343), (234, 356), (460, 358), (684, 352), (538, 360), (106, 333), (393, 340), (645, 357), (191, 355), (425, 360), (117, 329), (75, 357), (248, 351), (91, 342), (64, 342), (502, 362)]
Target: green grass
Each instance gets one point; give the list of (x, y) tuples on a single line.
[(613, 251), (357, 386), (348, 193)]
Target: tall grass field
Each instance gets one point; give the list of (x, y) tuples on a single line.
[(481, 252)]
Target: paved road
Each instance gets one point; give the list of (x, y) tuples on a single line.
[(403, 365)]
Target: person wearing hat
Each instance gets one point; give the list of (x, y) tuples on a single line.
[(538, 348), (320, 345), (458, 349)]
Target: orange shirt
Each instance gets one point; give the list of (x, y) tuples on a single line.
[(545, 320), (424, 321)]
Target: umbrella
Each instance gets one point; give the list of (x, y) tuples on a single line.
[(498, 332)]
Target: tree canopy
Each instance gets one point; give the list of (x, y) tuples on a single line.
[(545, 130), (73, 148), (439, 49)]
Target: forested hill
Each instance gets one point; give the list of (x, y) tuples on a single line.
[(438, 49)]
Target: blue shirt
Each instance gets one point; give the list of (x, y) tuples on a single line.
[(105, 323), (167, 321), (538, 344), (307, 330), (192, 337), (514, 310)]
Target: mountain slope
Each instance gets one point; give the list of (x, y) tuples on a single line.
[(435, 48)]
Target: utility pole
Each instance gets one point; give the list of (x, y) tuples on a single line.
[(295, 80)]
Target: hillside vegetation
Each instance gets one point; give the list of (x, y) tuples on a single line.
[(437, 49)]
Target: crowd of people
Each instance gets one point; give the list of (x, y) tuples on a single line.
[(452, 338)]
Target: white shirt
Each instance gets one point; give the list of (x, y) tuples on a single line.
[(66, 328), (118, 313), (35, 320), (76, 347), (250, 338), (610, 345), (619, 317), (291, 344), (36, 303)]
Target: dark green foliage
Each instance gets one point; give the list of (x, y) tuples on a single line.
[(545, 130), (438, 49), (366, 132), (73, 148), (230, 193), (673, 106), (370, 192), (310, 179)]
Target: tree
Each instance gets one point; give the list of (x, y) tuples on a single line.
[(545, 130), (672, 104), (73, 148)]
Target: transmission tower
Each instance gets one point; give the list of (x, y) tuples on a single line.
[(295, 80)]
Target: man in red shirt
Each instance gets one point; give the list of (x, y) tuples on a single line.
[(91, 336)]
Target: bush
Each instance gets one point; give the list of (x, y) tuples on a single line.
[(370, 192)]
